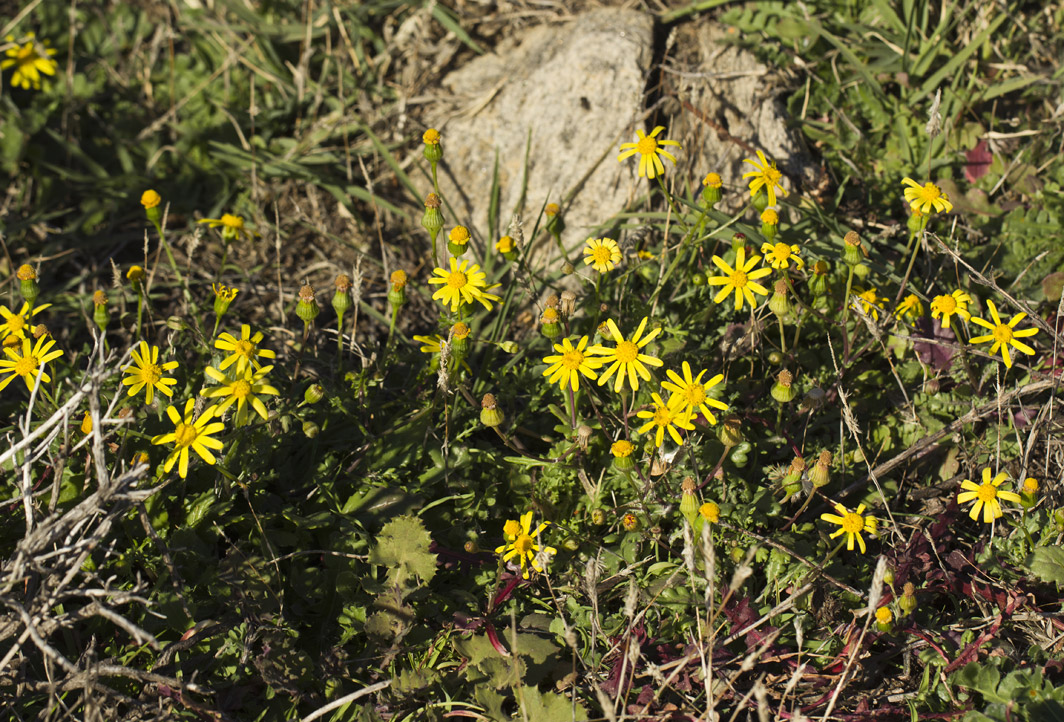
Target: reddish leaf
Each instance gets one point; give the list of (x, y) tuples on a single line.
[(978, 164)]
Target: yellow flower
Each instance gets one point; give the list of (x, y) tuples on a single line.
[(150, 199), (524, 547), (871, 303), (627, 361), (851, 523), (135, 275), (665, 419), (649, 148), (190, 433), (602, 254), (955, 303), (504, 245), (910, 307), (712, 180), (86, 424), (621, 449), (29, 62), (884, 615), (739, 279), (431, 137), (1004, 334), (15, 324), (710, 512), (926, 198), (986, 496), (765, 176), (232, 226), (243, 351), (28, 364), (242, 390), (565, 369), (780, 255), (463, 284), (459, 235), (690, 394), (147, 372)]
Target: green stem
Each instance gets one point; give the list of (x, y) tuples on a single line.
[(846, 315)]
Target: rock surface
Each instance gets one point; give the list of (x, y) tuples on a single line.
[(572, 93)]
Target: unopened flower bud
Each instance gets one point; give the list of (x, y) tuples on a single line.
[(135, 275), (458, 240), (782, 391), (27, 283), (151, 200), (555, 224), (598, 516), (622, 455), (907, 600), (310, 429), (688, 499), (820, 474), (490, 415), (568, 268), (223, 297), (738, 240), (433, 151), (853, 252), (432, 220), (1029, 493), (780, 304), (711, 189), (630, 522), (917, 221), (769, 224), (307, 309), (341, 300), (314, 394), (397, 293), (471, 547), (884, 620), (729, 432), (818, 280), (505, 246), (99, 313), (549, 323)]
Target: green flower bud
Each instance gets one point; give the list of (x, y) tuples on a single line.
[(151, 201), (458, 240), (782, 391), (820, 474), (341, 300), (853, 252), (779, 304), (555, 224), (397, 294), (598, 516), (433, 150), (711, 190), (490, 415), (27, 284), (307, 309), (460, 342), (310, 429), (99, 313), (769, 224), (760, 200), (907, 600), (550, 325), (884, 620), (622, 455), (917, 222), (818, 281), (688, 499), (223, 297), (432, 220), (729, 431), (314, 394), (738, 240), (698, 279)]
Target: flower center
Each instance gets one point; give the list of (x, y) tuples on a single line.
[(781, 251), (694, 394), (601, 254), (626, 352), (986, 493), (947, 304), (16, 323), (241, 389), (572, 360), (151, 374), (244, 348), (185, 435), (26, 366), (772, 175), (231, 221), (662, 417), (930, 192), (1002, 333), (852, 523), (523, 544), (647, 146), (738, 279), (457, 280)]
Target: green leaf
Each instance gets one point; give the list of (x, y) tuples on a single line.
[(1047, 564), (403, 546), (548, 706)]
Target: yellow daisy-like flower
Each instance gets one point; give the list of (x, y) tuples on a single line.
[(603, 254), (710, 511), (29, 60), (232, 226), (463, 284), (712, 180), (946, 306), (621, 449), (649, 148), (16, 324), (926, 198), (1004, 334), (910, 307), (689, 394), (986, 496), (27, 365), (147, 373), (505, 245), (626, 360), (871, 303), (190, 433), (243, 351), (766, 176), (522, 544), (242, 390), (665, 418), (740, 279), (150, 199), (780, 255), (429, 344), (565, 368), (851, 523)]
